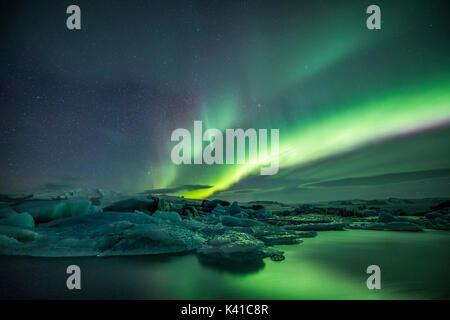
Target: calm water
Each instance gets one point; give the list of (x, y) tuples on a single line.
[(330, 266)]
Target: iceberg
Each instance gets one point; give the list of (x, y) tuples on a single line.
[(44, 211), (19, 220)]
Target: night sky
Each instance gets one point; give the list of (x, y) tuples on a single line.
[(361, 113)]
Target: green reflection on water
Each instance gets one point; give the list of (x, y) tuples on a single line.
[(333, 265), (330, 266)]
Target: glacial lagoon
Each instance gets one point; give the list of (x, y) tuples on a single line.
[(329, 266)]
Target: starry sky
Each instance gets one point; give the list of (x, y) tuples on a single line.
[(361, 113)]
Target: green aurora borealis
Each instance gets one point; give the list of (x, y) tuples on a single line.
[(361, 113), (336, 88)]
